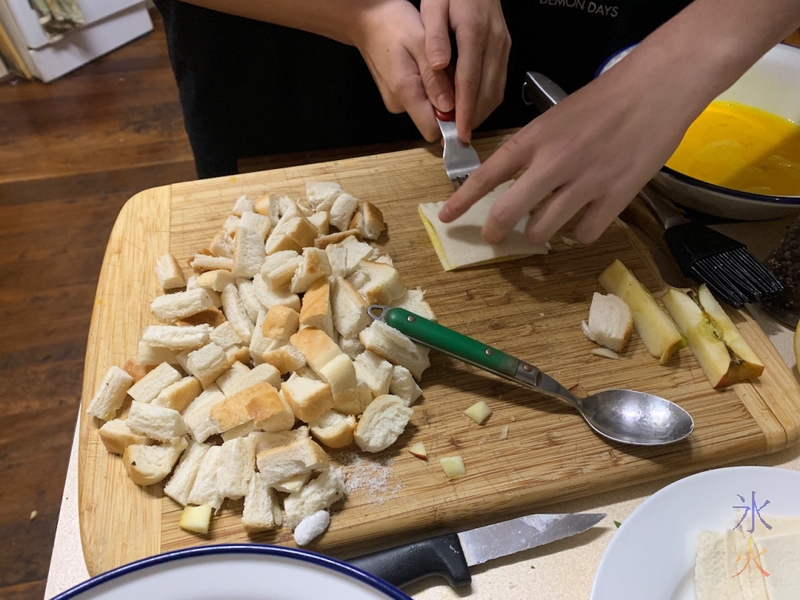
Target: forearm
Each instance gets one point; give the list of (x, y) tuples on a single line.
[(335, 19)]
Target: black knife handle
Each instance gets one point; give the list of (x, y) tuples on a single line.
[(400, 566)]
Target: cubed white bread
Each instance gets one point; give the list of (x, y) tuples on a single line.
[(204, 489), (316, 308), (385, 259), (275, 206), (211, 316), (182, 480), (260, 403), (337, 258), (351, 346), (147, 465), (116, 436), (317, 494), (110, 394), (197, 415), (311, 527), (134, 369), (149, 356), (231, 224), (260, 374), (215, 280), (216, 297), (231, 381), (358, 250), (247, 294), (248, 254), (313, 266), (156, 422), (384, 285), (610, 321), (382, 423), (342, 210), (242, 205), (176, 337), (358, 279), (334, 429), (262, 510), (150, 386), (205, 262), (316, 346), (169, 273), (308, 398), (280, 323), (318, 192), (191, 282), (398, 349), (414, 301), (266, 440), (334, 238), (271, 416), (322, 221), (222, 244), (270, 296), (237, 460), (292, 484), (404, 386), (207, 363), (258, 343), (374, 371), (178, 395), (368, 219), (299, 231), (236, 313), (238, 354), (225, 336), (348, 309), (340, 375), (285, 358), (242, 430), (258, 223), (279, 268), (300, 456), (358, 401), (171, 307)]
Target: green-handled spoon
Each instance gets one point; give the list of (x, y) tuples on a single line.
[(620, 415)]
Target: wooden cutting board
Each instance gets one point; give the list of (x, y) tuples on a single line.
[(530, 308)]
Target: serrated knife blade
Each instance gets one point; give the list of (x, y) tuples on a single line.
[(451, 555)]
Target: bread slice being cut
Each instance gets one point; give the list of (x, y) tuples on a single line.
[(610, 321)]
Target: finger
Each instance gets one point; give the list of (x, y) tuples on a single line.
[(513, 206), (556, 211), (435, 19), (493, 83), (507, 160), (597, 217), (438, 88), (467, 80)]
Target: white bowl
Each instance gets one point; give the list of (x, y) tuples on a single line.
[(235, 572), (773, 85)]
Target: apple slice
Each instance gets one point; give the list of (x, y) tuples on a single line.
[(418, 450), (195, 519), (659, 334), (479, 412), (720, 362), (453, 466)]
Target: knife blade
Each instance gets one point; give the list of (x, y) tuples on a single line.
[(451, 555)]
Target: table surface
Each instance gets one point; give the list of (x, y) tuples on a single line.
[(560, 570)]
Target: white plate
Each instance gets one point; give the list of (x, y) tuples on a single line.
[(652, 554), (235, 572)]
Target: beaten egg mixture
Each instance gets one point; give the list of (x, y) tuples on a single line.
[(743, 148)]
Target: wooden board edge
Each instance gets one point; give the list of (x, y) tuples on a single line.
[(139, 511)]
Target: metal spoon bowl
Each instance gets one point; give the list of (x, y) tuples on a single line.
[(624, 416)]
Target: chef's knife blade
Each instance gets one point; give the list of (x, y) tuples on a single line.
[(451, 555)]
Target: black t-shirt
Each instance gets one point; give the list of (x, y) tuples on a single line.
[(252, 89)]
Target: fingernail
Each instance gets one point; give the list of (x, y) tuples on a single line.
[(444, 214), (444, 102)]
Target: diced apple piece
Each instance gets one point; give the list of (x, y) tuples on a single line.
[(722, 365), (479, 412), (196, 519), (659, 334), (418, 450), (453, 466)]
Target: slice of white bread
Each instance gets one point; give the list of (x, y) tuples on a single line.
[(262, 509), (215, 280), (610, 321), (110, 394), (236, 312), (179, 395), (156, 422), (182, 480), (171, 307), (388, 343), (404, 386), (342, 210), (147, 465), (348, 308), (309, 398), (280, 323), (151, 385), (318, 494), (382, 423), (197, 415), (313, 266), (204, 489), (236, 462), (374, 371), (169, 273), (116, 436), (176, 337), (368, 219), (334, 429), (300, 456)]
